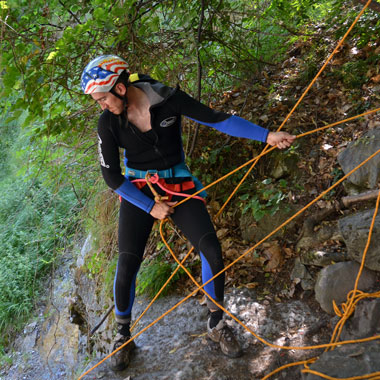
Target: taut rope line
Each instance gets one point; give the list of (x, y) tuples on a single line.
[(234, 262), (254, 161)]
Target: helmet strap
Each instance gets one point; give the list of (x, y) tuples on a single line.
[(124, 98), (113, 92), (125, 104)]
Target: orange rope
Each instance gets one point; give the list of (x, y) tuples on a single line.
[(348, 307), (263, 153), (200, 287), (255, 160), (249, 250), (300, 99), (277, 370)]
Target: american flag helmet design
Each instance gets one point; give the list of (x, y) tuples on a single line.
[(101, 73)]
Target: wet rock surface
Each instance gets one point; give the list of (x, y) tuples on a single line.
[(54, 346), (177, 347), (49, 346)]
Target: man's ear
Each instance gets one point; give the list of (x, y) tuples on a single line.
[(120, 89)]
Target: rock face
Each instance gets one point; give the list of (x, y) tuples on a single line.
[(354, 229), (356, 152), (347, 361), (300, 274), (252, 231), (322, 258), (335, 281), (364, 322), (91, 304)]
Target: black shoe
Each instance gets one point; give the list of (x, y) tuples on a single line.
[(120, 360)]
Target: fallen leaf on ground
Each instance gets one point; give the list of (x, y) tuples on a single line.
[(275, 257), (251, 285)]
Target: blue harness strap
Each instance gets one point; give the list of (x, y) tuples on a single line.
[(179, 170)]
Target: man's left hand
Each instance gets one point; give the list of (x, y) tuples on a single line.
[(281, 139)]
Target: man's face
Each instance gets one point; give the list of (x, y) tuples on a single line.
[(108, 101)]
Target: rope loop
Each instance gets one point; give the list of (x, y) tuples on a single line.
[(153, 178)]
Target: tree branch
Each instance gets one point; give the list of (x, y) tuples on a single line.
[(374, 5), (367, 196), (68, 10), (199, 71)]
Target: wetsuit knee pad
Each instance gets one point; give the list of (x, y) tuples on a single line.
[(128, 264), (125, 283)]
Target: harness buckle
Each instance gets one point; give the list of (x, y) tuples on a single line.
[(153, 178)]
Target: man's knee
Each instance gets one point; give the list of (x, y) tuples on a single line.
[(128, 264), (210, 247)]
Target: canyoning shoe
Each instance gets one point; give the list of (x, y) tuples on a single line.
[(120, 360), (223, 335)]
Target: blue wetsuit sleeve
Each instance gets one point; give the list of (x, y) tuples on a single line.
[(229, 124), (108, 150), (132, 194), (238, 127)]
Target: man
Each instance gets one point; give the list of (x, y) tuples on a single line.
[(143, 117)]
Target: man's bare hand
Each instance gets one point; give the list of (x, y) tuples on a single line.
[(162, 210), (281, 139)]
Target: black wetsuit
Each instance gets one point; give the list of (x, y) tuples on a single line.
[(160, 148)]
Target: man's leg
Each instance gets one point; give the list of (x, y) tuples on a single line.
[(134, 229), (194, 221)]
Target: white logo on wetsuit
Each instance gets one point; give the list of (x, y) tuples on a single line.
[(101, 158), (168, 122)]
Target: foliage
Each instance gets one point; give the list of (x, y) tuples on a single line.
[(45, 51), (37, 220), (153, 275), (34, 225), (50, 167), (266, 200)]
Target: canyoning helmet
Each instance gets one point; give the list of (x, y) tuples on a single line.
[(101, 74)]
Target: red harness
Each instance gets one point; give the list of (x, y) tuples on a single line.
[(169, 188)]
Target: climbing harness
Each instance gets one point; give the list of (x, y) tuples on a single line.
[(169, 188), (180, 170), (347, 309)]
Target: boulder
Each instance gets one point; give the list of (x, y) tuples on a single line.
[(336, 281), (354, 229), (356, 152), (347, 361), (253, 231), (365, 321)]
